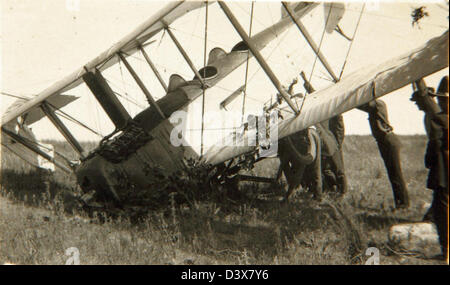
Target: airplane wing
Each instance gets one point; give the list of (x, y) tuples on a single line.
[(220, 62), (35, 114), (355, 90), (128, 45)]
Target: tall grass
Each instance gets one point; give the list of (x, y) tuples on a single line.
[(39, 221)]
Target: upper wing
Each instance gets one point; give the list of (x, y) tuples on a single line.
[(128, 44), (355, 90), (35, 114)]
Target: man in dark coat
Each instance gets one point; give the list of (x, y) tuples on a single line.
[(389, 146), (312, 158), (436, 156), (332, 134), (300, 158)]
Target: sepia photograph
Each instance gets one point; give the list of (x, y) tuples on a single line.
[(269, 133)]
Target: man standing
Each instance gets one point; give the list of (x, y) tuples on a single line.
[(389, 146), (436, 156)]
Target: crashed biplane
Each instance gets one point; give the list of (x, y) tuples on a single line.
[(145, 141)]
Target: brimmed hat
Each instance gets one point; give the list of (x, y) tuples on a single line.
[(443, 87), (442, 91), (418, 94)]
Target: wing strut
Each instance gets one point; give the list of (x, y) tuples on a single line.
[(310, 41), (35, 149), (257, 55), (204, 75), (185, 55), (49, 112), (139, 82), (247, 64), (153, 67), (107, 99)]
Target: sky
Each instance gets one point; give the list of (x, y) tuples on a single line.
[(42, 41)]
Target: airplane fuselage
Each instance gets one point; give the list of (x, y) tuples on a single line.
[(132, 157), (145, 142)]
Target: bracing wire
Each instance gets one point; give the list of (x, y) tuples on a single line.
[(315, 59), (204, 76), (268, 57), (320, 44), (14, 96), (94, 115), (60, 112), (123, 81), (351, 43), (192, 35), (125, 97), (247, 64), (72, 119)]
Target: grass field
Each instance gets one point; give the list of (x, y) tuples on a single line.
[(36, 228)]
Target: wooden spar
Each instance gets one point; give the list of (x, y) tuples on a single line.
[(233, 96), (257, 55), (23, 141), (144, 89), (62, 128), (153, 67), (185, 55), (310, 41)]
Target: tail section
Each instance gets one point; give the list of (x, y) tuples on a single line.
[(295, 6), (333, 17)]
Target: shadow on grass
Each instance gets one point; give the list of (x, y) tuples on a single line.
[(223, 237), (263, 228)]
